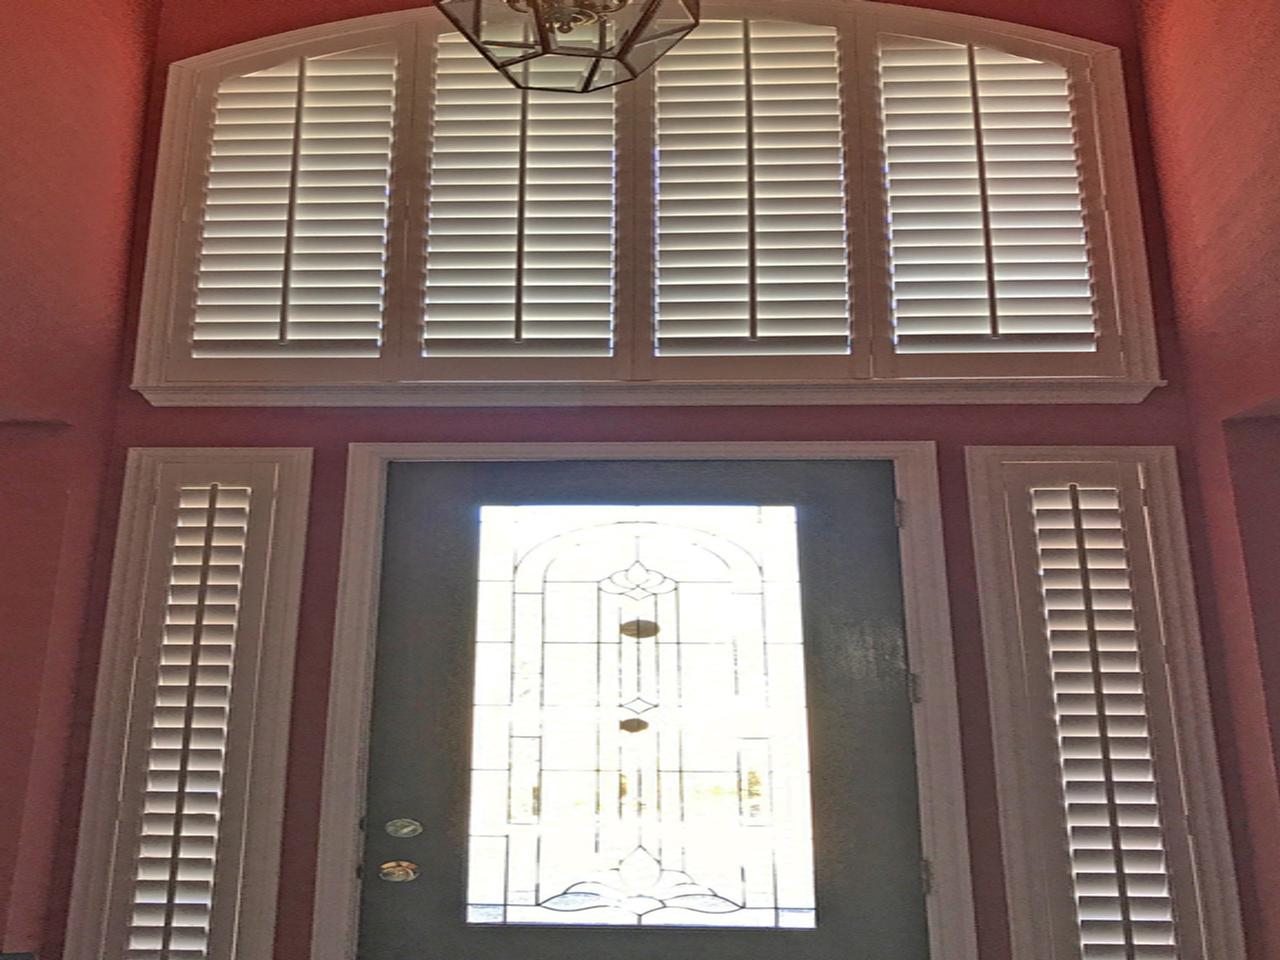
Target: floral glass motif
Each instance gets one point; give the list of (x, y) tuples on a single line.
[(640, 752)]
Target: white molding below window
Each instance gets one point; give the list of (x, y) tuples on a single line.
[(944, 825), (1060, 390)]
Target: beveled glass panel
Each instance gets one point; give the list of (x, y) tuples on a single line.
[(640, 750)]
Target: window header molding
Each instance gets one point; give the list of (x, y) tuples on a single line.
[(1122, 369)]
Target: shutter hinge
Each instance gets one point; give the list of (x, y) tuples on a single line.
[(899, 512), (926, 876), (915, 689)]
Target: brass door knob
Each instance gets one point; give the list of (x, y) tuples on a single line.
[(399, 871)]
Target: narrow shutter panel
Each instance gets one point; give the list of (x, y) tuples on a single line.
[(1121, 881), (185, 764), (987, 238), (294, 239), (521, 226), (752, 241)]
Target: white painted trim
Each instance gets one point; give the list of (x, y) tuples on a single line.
[(246, 885), (550, 394), (168, 377), (1041, 912), (944, 826)]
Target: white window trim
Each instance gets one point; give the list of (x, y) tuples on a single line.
[(944, 826), (1042, 918), (257, 736), (1123, 274)]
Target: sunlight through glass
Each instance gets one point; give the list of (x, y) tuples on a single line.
[(640, 753)]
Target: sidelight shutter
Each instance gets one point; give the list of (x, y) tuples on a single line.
[(520, 237), (1113, 817), (1113, 827), (294, 236), (186, 762), (752, 242), (181, 829), (987, 239)]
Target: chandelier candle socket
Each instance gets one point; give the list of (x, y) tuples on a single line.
[(572, 46)]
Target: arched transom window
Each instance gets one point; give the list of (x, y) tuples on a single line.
[(843, 202)]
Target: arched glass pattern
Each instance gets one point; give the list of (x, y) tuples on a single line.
[(639, 757)]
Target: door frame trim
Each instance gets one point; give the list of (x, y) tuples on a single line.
[(943, 821)]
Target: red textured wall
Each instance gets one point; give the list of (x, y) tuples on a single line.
[(1212, 71), (188, 27), (72, 79), (1254, 449), (1213, 80)]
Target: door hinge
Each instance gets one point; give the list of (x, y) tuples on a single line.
[(915, 688), (359, 871), (899, 512), (926, 876)]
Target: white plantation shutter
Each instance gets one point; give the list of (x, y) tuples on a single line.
[(186, 762), (987, 236), (520, 238), (895, 200), (294, 235), (1124, 902), (752, 241), (1113, 826), (180, 836)]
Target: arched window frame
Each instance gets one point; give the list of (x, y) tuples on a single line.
[(1124, 369)]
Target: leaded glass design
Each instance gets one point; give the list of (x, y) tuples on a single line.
[(640, 753)]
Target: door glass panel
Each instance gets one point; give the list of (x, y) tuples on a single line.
[(640, 753)]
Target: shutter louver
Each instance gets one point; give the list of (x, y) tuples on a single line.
[(987, 238), (752, 240), (521, 225), (1121, 882), (185, 762), (293, 249)]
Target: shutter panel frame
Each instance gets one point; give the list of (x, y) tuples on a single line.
[(1043, 918), (744, 363), (1120, 350), (178, 214), (254, 734), (423, 365)]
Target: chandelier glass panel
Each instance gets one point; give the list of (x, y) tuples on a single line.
[(572, 46)]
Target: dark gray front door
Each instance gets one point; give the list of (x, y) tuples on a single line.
[(642, 711)]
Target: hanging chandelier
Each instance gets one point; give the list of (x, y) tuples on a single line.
[(573, 46)]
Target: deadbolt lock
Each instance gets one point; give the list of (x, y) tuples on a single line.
[(403, 827)]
